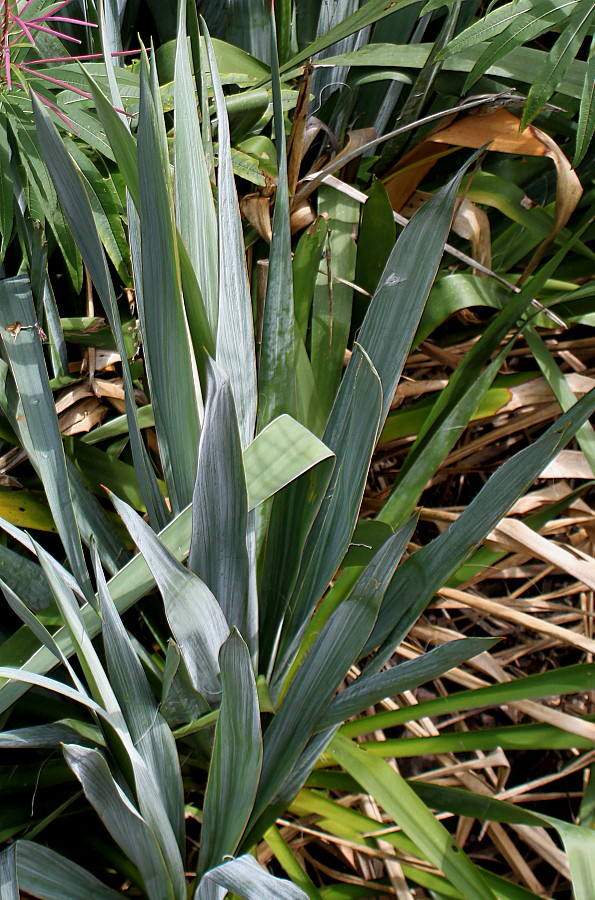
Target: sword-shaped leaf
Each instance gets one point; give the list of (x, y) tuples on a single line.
[(122, 820), (235, 332), (46, 874), (148, 730), (236, 760), (168, 359), (195, 618), (218, 553)]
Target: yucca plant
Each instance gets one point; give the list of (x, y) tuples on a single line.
[(243, 514)]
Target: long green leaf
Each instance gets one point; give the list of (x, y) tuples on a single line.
[(385, 339), (123, 821), (392, 792), (235, 333), (164, 327), (218, 552), (195, 209), (558, 60), (236, 760), (321, 673), (27, 363), (277, 366), (426, 571), (148, 730), (196, 619), (247, 879), (367, 691), (567, 680), (294, 451), (77, 209)]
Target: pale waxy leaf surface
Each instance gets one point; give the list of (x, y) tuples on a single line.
[(122, 820), (168, 358), (235, 332), (247, 879), (236, 760), (46, 874), (218, 552), (148, 729), (77, 210), (195, 618), (195, 210)]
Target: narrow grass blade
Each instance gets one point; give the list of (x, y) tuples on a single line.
[(235, 333), (236, 760), (558, 60), (509, 737), (148, 730), (218, 552), (277, 365), (77, 210), (391, 791), (561, 390), (195, 618), (586, 119), (46, 874), (164, 327), (367, 691), (27, 363), (122, 820), (247, 879), (567, 680)]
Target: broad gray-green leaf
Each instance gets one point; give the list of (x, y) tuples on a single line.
[(236, 760), (9, 886), (247, 879), (77, 209), (320, 675), (279, 454), (164, 327), (46, 874), (195, 618), (135, 578), (148, 730), (218, 553), (277, 392), (24, 351), (50, 735), (195, 209), (123, 821), (235, 333), (360, 407)]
